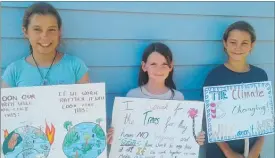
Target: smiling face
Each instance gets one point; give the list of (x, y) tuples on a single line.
[(43, 33), (157, 67), (238, 45)]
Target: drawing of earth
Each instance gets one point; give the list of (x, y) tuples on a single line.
[(26, 141), (84, 140)]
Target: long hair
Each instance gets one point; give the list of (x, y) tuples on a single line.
[(166, 52)]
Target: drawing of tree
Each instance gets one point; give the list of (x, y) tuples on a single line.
[(99, 120), (87, 138), (67, 125), (193, 113)]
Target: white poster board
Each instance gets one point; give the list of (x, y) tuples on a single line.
[(239, 111), (54, 121), (155, 128)]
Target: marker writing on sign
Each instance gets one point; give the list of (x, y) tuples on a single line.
[(150, 119), (219, 95), (245, 94)]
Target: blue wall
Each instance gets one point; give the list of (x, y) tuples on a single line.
[(110, 38)]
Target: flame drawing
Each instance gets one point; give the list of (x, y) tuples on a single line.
[(6, 133), (50, 133)]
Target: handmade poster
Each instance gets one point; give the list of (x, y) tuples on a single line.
[(65, 121), (239, 111), (147, 128)]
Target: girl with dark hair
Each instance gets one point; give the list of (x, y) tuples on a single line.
[(45, 65), (156, 79), (156, 75), (238, 40)]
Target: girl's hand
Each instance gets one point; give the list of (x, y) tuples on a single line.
[(201, 138), (110, 135), (235, 155)]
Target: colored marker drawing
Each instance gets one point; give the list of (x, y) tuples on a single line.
[(84, 140), (216, 111), (28, 141), (193, 114)]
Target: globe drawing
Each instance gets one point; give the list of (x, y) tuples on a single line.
[(26, 141), (84, 140)]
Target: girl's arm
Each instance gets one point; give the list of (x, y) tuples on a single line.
[(84, 79), (257, 148), (228, 152), (4, 85), (81, 71)]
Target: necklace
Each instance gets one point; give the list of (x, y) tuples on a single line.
[(44, 79)]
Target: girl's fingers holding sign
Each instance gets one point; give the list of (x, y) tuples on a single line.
[(201, 138), (110, 135)]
